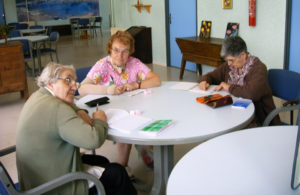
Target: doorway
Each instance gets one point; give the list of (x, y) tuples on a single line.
[(181, 21)]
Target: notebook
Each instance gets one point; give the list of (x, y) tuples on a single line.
[(121, 120), (156, 127)]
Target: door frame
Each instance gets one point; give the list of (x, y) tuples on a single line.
[(167, 26), (287, 42)]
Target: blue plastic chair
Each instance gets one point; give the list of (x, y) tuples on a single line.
[(51, 45), (21, 26), (84, 24), (284, 85), (7, 187), (97, 23), (81, 74), (15, 33)]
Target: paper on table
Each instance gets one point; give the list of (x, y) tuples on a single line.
[(184, 85), (209, 91), (121, 120), (134, 92)]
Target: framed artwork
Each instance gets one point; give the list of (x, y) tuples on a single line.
[(227, 4), (205, 29), (232, 29)]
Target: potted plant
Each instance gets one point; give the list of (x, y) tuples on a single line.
[(4, 32)]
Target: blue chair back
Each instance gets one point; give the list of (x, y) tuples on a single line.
[(84, 21), (284, 84), (54, 36), (81, 74), (15, 33), (21, 26), (36, 27)]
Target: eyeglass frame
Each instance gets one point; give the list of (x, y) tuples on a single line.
[(71, 82), (124, 52)]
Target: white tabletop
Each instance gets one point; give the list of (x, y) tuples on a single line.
[(194, 122), (254, 161), (33, 38), (28, 31)]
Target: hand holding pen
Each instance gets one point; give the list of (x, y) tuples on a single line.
[(99, 114)]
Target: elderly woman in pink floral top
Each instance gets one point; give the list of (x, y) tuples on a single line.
[(117, 73)]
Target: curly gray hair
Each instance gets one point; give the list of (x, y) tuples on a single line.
[(51, 73)]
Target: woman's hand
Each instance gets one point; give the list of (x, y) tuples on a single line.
[(82, 114), (203, 85), (99, 114), (131, 86), (115, 90), (223, 85)]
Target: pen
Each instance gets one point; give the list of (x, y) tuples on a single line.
[(97, 107)]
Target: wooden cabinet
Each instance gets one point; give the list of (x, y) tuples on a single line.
[(12, 69)]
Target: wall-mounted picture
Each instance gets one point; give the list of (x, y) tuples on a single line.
[(232, 29), (227, 4), (205, 29), (39, 10)]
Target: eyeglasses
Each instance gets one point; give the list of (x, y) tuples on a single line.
[(71, 82), (117, 51), (231, 60)]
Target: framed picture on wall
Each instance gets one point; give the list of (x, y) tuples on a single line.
[(205, 29), (232, 29)]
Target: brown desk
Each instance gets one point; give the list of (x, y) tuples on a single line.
[(200, 51)]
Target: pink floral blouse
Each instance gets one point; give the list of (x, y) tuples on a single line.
[(103, 73)]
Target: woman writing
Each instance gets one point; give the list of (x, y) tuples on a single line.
[(243, 75), (117, 73)]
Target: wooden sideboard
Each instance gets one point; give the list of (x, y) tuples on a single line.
[(200, 51), (12, 69)]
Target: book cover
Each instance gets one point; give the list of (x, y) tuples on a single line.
[(205, 29), (156, 127), (121, 120), (232, 29), (241, 103)]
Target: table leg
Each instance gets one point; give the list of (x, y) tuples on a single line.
[(163, 164), (199, 70), (183, 62), (32, 57)]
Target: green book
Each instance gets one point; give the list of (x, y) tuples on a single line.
[(156, 127)]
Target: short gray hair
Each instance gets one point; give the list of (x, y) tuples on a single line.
[(233, 46), (51, 73)]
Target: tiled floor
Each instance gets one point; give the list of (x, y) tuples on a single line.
[(80, 53)]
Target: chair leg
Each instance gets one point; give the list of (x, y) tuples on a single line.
[(56, 57), (51, 57)]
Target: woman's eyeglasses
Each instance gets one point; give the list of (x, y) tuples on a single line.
[(71, 82), (117, 51)]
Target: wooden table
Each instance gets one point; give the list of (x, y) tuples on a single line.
[(200, 51)]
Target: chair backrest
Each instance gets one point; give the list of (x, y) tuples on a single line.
[(81, 74), (98, 19), (284, 84), (54, 36), (84, 21), (6, 181), (15, 33), (36, 27), (21, 26)]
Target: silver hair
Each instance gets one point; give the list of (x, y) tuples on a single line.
[(233, 46), (51, 73)]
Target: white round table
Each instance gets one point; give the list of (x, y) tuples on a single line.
[(253, 161), (193, 122)]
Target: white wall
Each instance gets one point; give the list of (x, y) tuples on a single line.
[(10, 11), (125, 16), (265, 40)]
